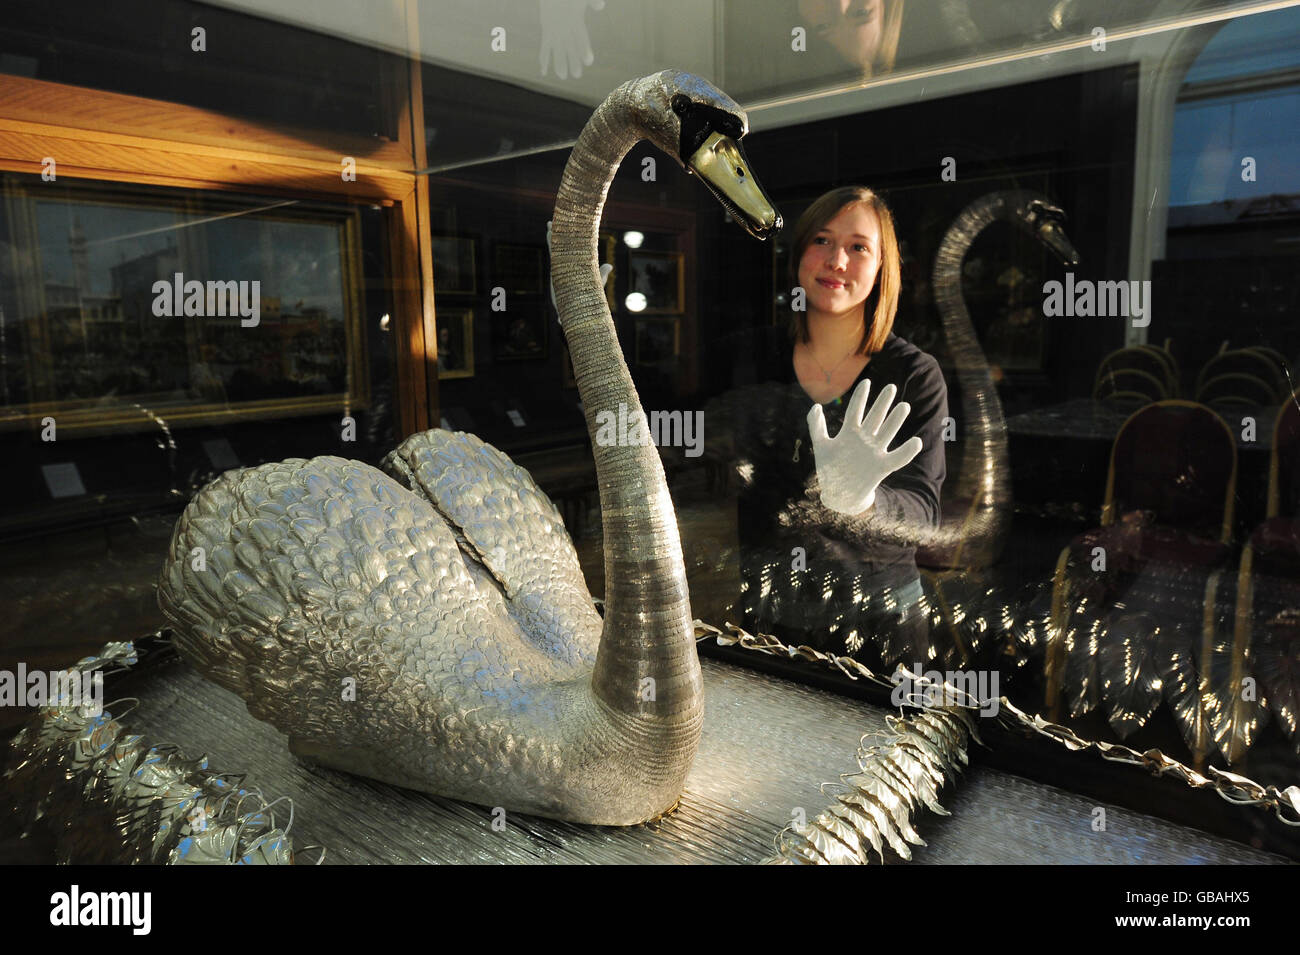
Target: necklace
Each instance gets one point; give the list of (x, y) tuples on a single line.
[(823, 367)]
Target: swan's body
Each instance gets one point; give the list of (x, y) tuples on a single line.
[(428, 625), (977, 500)]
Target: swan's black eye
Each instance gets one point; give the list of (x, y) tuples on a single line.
[(681, 104)]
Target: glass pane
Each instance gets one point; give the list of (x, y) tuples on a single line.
[(1033, 458), (1078, 270)]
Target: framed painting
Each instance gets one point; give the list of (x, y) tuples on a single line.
[(519, 333), (455, 343), (199, 309), (661, 278)]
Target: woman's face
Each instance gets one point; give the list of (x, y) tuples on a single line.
[(838, 269), (853, 27)]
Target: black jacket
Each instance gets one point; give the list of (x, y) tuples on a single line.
[(780, 506)]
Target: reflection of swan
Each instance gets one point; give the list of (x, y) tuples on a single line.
[(432, 628), (977, 504)]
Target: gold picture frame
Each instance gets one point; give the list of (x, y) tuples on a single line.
[(71, 328)]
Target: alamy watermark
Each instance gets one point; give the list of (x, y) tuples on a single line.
[(974, 688), (39, 688), (77, 908), (213, 299), (1088, 299), (675, 429)]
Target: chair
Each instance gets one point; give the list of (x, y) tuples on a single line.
[(1165, 530)]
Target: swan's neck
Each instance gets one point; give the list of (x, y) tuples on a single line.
[(647, 633), (984, 471)]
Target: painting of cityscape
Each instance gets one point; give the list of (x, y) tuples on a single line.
[(110, 301)]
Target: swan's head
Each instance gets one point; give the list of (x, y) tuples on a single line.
[(701, 127), (1046, 222)]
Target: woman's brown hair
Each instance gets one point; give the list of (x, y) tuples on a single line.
[(889, 39), (882, 303)]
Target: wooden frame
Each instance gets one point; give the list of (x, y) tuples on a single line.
[(113, 137), (90, 415), (608, 245), (96, 135)]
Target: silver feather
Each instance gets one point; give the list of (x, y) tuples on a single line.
[(1279, 669), (1181, 676), (1129, 670), (876, 807), (108, 797), (1083, 639), (1236, 715)]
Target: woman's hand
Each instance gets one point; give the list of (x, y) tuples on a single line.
[(851, 465)]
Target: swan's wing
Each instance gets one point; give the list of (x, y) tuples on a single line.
[(286, 580), (512, 527)]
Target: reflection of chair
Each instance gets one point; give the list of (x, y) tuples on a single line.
[(1164, 534), (1243, 376), (1122, 385), (1237, 389), (1267, 620), (1149, 359)]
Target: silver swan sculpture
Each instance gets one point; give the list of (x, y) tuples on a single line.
[(977, 498), (430, 626)]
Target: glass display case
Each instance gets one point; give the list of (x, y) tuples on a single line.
[(252, 231)]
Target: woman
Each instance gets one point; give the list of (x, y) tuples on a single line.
[(829, 525)]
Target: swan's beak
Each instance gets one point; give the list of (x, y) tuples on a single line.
[(1047, 222), (721, 163), (1053, 236)]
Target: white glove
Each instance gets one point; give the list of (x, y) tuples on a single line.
[(604, 270), (851, 465)]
